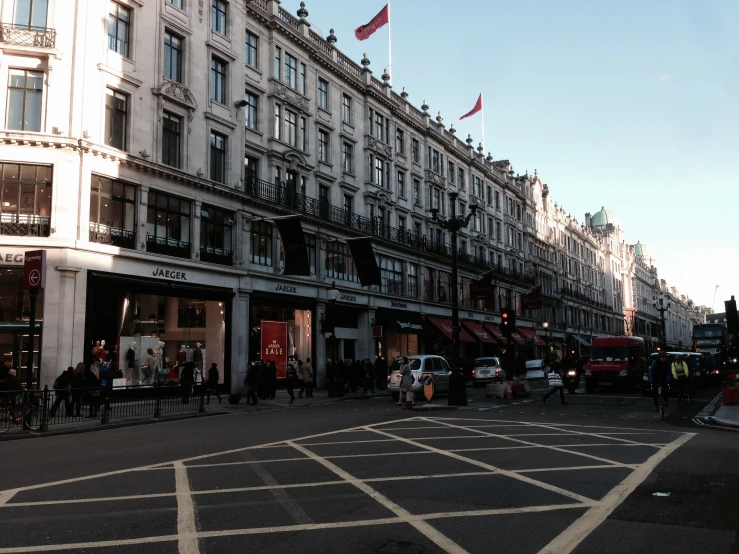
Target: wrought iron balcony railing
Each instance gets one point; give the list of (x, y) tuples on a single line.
[(24, 225), (168, 247), (216, 255), (27, 35), (105, 234)]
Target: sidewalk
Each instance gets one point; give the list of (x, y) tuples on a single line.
[(726, 416)]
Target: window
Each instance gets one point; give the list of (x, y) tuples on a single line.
[(25, 199), (417, 192), (339, 262), (401, 184), (216, 235), (251, 55), (415, 151), (251, 167), (476, 186), (218, 14), (412, 280), (452, 172), (261, 243), (490, 195), (303, 78), (301, 135), (379, 173), (119, 25), (217, 157), (30, 13), (116, 119), (436, 160), (168, 225), (323, 146), (400, 141), (346, 109), (497, 231), (278, 63), (171, 139), (391, 272), (176, 3), (490, 228), (497, 200), (218, 80), (347, 158), (172, 57), (291, 128), (24, 100), (377, 125), (112, 212), (291, 71), (250, 110), (461, 183), (278, 122), (323, 94)]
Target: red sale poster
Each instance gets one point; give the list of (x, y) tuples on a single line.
[(274, 345)]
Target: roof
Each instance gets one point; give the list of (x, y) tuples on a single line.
[(640, 250), (603, 219)]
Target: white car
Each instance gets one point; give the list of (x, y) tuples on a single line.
[(487, 370), (422, 363), (535, 369)]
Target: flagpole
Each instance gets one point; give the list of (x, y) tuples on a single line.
[(482, 110), (389, 46)]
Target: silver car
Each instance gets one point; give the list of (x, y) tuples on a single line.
[(422, 363), (487, 370)]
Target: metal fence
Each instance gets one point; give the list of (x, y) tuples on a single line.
[(38, 410)]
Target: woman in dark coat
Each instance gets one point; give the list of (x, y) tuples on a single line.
[(213, 378)]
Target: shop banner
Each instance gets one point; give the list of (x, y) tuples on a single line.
[(274, 345), (34, 269), (293, 241), (482, 288), (364, 260)]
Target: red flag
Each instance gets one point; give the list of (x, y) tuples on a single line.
[(531, 300), (366, 31), (477, 108)]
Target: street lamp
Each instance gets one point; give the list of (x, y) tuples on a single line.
[(453, 225), (546, 331), (659, 304)]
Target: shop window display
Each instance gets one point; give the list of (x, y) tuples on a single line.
[(281, 347), (15, 312)]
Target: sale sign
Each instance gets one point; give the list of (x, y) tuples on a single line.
[(274, 345)]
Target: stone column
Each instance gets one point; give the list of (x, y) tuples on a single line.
[(140, 237), (364, 336), (195, 232), (240, 306), (320, 355)]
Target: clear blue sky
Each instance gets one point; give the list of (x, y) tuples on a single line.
[(631, 105)]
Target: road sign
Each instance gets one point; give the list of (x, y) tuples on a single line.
[(529, 341), (428, 385), (34, 269)]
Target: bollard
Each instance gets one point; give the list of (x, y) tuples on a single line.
[(45, 409)]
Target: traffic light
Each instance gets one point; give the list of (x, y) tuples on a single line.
[(505, 322), (732, 318)]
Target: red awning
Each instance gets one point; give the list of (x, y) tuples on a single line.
[(531, 334), (445, 326), (495, 331), (478, 331)]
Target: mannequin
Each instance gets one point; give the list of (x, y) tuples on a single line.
[(131, 361), (181, 356), (156, 364), (197, 357), (102, 352)]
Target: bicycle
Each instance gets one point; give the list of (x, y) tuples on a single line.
[(21, 411), (660, 402)]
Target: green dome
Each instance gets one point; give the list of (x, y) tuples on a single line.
[(640, 251), (603, 220)]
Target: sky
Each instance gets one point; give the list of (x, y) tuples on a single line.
[(631, 105)]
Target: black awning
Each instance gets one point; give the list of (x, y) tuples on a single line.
[(400, 321)]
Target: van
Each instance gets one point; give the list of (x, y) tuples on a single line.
[(616, 362)]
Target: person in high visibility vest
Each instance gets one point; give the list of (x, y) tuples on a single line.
[(680, 373)]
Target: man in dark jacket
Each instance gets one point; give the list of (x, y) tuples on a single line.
[(213, 378), (187, 379), (658, 372), (62, 384), (252, 379)]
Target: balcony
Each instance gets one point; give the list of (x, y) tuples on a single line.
[(24, 225), (216, 255), (26, 35), (168, 247), (104, 234)]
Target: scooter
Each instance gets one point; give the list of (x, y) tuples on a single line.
[(572, 380)]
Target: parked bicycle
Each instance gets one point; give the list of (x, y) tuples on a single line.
[(20, 410)]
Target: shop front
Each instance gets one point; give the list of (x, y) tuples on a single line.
[(487, 345), (150, 327), (535, 345), (443, 344), (401, 333), (15, 312)]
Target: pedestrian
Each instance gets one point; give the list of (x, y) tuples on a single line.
[(91, 381), (213, 378), (11, 382), (261, 379), (106, 384), (291, 377), (307, 370), (187, 380), (251, 382), (555, 382), (368, 374), (78, 383), (659, 370), (406, 385), (272, 379), (62, 386), (381, 372), (680, 374)]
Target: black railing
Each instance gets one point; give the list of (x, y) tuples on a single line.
[(23, 225), (104, 234), (27, 35), (216, 255), (566, 293), (284, 197), (36, 410), (168, 247)]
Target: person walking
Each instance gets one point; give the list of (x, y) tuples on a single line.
[(106, 386), (213, 378), (307, 370), (251, 382), (406, 385), (272, 378), (187, 380), (658, 375), (368, 374), (381, 373), (555, 382), (78, 383), (680, 375), (291, 377), (92, 384), (61, 387)]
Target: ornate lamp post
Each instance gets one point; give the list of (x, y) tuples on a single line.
[(453, 225), (659, 303), (546, 331)]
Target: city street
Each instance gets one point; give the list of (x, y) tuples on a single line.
[(364, 476)]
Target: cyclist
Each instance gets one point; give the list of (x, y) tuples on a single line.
[(658, 373), (680, 372)]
